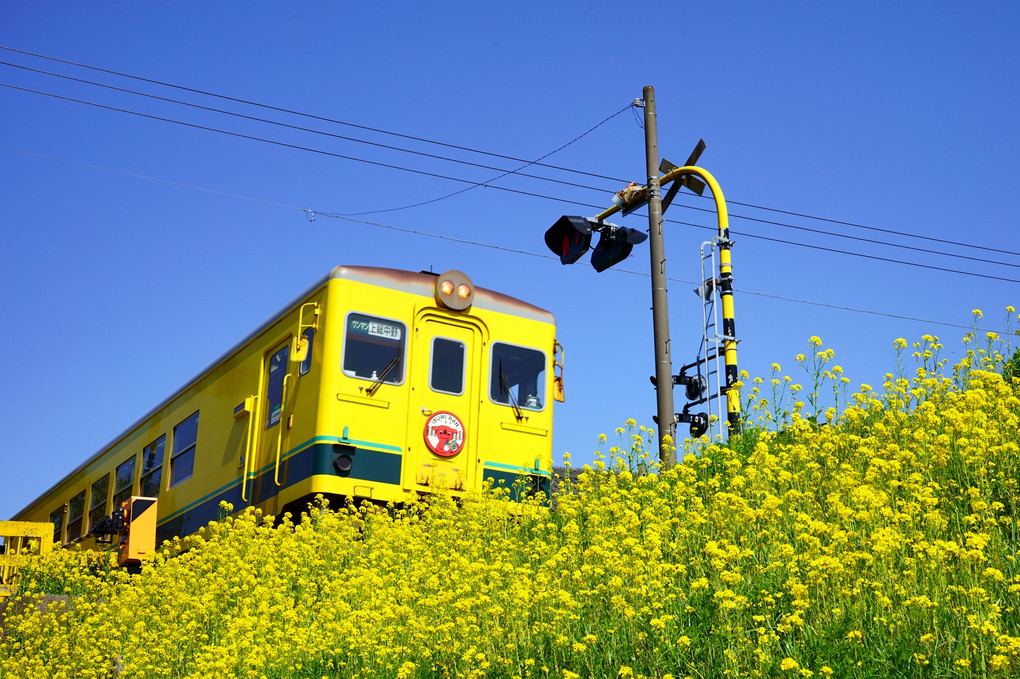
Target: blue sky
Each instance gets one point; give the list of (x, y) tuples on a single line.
[(136, 250)]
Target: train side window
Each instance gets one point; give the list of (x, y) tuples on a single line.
[(374, 348), (274, 391), (100, 489), (152, 467), (57, 519), (124, 482), (75, 514), (182, 462), (517, 376), (306, 365), (446, 374)]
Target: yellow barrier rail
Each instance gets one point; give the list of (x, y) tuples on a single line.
[(21, 540)]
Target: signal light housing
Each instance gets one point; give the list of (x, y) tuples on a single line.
[(454, 290), (698, 422), (695, 385), (569, 237), (615, 244)]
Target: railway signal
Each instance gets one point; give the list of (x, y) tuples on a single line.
[(696, 391), (569, 237), (615, 244)]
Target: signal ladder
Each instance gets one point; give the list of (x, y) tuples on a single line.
[(707, 384)]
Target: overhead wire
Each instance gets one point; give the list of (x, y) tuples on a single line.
[(475, 243), (239, 135), (279, 124), (488, 183), (471, 184), (902, 262), (875, 228), (900, 233), (646, 274), (465, 181), (498, 177), (302, 114), (861, 239)]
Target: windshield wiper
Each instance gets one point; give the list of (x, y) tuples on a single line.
[(382, 376), (505, 383)]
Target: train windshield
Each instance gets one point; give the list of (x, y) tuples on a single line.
[(374, 348), (517, 376)]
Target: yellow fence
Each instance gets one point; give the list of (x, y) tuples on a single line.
[(20, 540)]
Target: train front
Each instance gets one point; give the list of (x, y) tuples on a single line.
[(440, 385)]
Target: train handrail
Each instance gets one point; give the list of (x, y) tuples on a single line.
[(283, 426), (558, 379), (299, 349), (252, 401)]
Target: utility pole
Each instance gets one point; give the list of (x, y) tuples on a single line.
[(660, 308), (570, 238)]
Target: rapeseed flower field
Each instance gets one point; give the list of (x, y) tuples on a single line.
[(871, 534)]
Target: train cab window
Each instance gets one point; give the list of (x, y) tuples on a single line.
[(124, 482), (374, 349), (152, 467), (517, 376), (100, 489), (306, 365), (57, 519), (182, 462), (446, 374), (274, 392), (75, 514)]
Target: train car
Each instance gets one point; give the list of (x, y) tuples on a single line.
[(375, 384)]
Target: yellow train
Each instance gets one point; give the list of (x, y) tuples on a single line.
[(374, 384)]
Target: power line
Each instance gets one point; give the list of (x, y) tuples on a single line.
[(149, 178), (646, 274), (474, 185), (285, 125), (872, 241), (863, 311), (237, 134), (861, 254), (465, 181), (900, 233), (875, 228), (508, 172), (310, 116), (492, 246)]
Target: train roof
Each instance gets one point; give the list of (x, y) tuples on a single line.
[(421, 283)]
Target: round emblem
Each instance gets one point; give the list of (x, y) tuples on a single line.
[(444, 434)]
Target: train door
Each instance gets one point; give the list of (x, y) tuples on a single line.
[(267, 466), (442, 432)]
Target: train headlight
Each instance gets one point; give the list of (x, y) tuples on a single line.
[(454, 290)]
